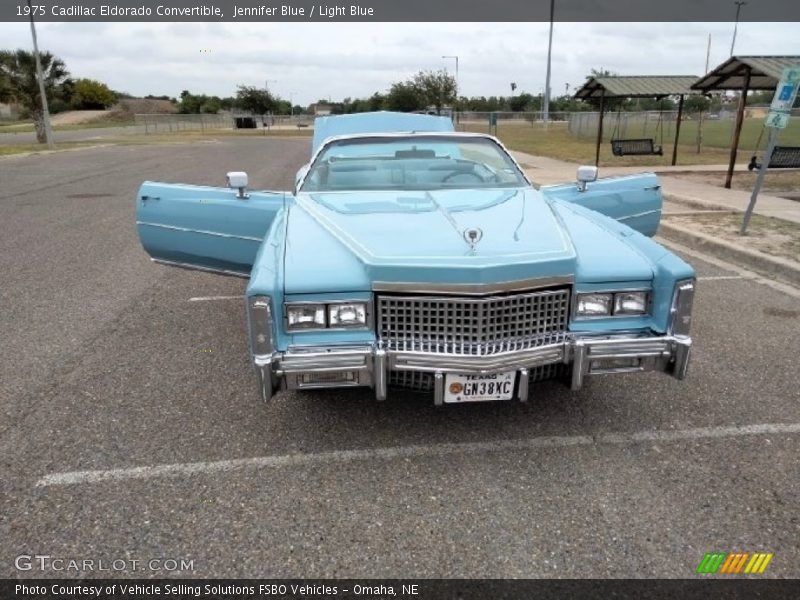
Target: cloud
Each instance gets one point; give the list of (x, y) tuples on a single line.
[(320, 60)]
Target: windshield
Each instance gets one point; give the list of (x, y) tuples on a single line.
[(412, 163)]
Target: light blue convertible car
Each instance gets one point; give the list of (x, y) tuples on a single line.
[(412, 256)]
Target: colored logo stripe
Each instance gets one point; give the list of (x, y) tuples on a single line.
[(734, 563), (758, 563), (711, 562), (720, 562)]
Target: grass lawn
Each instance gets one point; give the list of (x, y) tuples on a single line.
[(176, 137), (27, 126), (765, 234), (556, 141), (9, 150)]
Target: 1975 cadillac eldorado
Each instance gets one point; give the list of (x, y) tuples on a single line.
[(412, 256)]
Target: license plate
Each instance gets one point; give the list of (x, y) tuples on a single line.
[(478, 388)]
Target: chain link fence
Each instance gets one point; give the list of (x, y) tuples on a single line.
[(712, 129), (172, 122)]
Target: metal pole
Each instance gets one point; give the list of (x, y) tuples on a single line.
[(773, 138), (700, 124), (455, 57), (546, 104), (48, 134), (677, 131), (600, 127), (738, 129), (739, 5)]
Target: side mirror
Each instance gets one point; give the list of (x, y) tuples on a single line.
[(238, 180), (299, 176), (586, 174)]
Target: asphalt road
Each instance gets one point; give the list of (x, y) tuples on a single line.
[(108, 365)]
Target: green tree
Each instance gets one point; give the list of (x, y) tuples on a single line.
[(255, 100), (696, 103), (436, 88), (88, 94), (211, 105), (404, 97), (190, 103), (521, 102), (18, 82)]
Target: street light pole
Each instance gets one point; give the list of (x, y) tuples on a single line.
[(546, 104), (739, 4), (48, 134), (456, 57)]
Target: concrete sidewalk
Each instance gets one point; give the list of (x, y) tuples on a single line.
[(546, 171)]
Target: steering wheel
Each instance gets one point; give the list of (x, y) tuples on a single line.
[(455, 174)]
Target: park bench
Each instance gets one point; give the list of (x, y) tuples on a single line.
[(783, 157), (635, 147)]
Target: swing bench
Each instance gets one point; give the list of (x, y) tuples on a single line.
[(783, 157), (637, 146)]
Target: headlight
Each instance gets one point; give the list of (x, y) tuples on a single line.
[(593, 305), (305, 316), (353, 314), (630, 303), (607, 304)]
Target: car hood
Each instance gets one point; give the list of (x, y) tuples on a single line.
[(344, 241)]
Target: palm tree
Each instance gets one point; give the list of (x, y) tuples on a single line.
[(18, 82)]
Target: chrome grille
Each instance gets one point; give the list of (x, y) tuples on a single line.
[(412, 380), (421, 381), (473, 326)]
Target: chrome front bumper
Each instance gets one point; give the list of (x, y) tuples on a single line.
[(369, 365)]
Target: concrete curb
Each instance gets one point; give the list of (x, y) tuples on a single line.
[(698, 203), (758, 261)]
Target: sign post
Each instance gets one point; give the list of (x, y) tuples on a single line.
[(777, 118)]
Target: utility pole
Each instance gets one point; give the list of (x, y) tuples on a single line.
[(739, 4), (456, 57), (700, 123), (546, 105), (48, 134)]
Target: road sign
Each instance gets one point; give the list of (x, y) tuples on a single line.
[(786, 92), (777, 120)]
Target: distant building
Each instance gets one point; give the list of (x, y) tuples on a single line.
[(9, 111), (319, 109)]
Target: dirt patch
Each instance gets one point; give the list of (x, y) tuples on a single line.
[(128, 107), (783, 183), (76, 117), (764, 234)]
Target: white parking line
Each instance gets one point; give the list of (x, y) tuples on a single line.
[(720, 277), (207, 298), (346, 456)]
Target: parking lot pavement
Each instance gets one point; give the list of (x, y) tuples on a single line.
[(111, 368)]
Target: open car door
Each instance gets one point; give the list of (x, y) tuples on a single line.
[(634, 200), (207, 228)]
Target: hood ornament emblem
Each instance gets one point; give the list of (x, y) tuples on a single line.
[(473, 236)]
